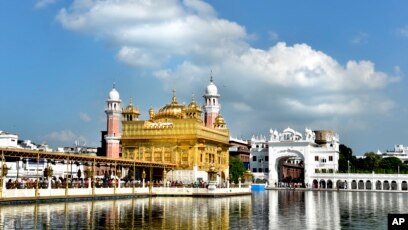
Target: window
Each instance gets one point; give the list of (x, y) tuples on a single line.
[(253, 158), (266, 158), (330, 170), (266, 170), (330, 158), (254, 170), (316, 158), (260, 170), (317, 170)]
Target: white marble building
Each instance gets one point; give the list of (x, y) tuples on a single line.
[(318, 150)]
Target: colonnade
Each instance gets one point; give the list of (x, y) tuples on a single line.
[(375, 182)]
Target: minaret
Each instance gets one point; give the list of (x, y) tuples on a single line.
[(211, 105), (113, 113)]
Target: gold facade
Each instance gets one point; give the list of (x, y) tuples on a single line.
[(176, 134)]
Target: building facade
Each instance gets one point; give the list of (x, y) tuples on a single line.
[(178, 134), (240, 150), (285, 154)]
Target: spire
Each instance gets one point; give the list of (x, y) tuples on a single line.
[(174, 99), (131, 101), (211, 76), (114, 85), (192, 98)]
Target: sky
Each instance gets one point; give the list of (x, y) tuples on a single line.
[(322, 65)]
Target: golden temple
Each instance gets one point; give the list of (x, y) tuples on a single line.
[(178, 134)]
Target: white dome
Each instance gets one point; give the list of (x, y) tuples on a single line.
[(211, 89), (114, 95)]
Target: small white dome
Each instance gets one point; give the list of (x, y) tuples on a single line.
[(211, 89), (114, 95)]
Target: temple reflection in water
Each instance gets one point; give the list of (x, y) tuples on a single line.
[(285, 209), (154, 213)]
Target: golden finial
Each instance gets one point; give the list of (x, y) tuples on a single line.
[(192, 98), (131, 101), (174, 99)]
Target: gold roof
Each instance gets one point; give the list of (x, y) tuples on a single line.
[(174, 109), (220, 119), (131, 109)]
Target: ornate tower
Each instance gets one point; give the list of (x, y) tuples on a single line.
[(113, 113), (211, 105)]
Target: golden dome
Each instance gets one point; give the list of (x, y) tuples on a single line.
[(131, 109), (219, 119), (194, 105), (172, 109)]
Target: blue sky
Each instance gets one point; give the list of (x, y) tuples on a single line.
[(336, 65)]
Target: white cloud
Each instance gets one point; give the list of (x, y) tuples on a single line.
[(43, 3), (241, 107), (181, 41), (65, 136), (360, 38), (84, 117)]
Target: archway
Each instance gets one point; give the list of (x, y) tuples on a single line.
[(360, 184), (329, 184), (378, 185), (353, 184), (386, 185), (394, 185), (368, 185), (340, 184), (404, 186), (322, 184), (315, 184), (287, 169)]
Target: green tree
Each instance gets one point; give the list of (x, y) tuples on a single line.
[(391, 164), (371, 161), (236, 168), (346, 158)]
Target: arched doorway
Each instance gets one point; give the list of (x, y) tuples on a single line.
[(378, 185), (404, 186), (322, 184), (329, 184), (360, 184), (287, 169), (353, 184), (394, 185), (386, 185), (368, 185), (340, 184), (315, 184)]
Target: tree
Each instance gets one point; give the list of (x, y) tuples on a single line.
[(236, 168), (391, 164), (371, 161), (346, 158)]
